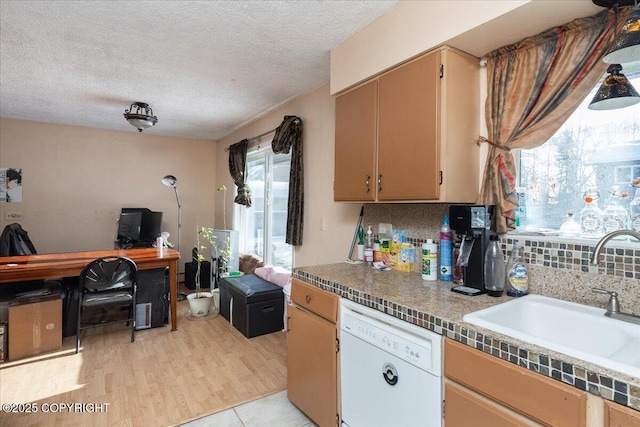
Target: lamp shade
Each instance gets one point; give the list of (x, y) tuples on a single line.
[(140, 116), (626, 46), (615, 92), (170, 181)]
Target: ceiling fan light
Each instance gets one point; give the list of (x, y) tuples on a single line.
[(615, 92), (140, 116), (626, 46)]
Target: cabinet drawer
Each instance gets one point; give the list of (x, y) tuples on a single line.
[(618, 415), (464, 408), (322, 303), (531, 394)]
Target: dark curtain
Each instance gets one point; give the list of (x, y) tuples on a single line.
[(289, 137), (238, 171), (533, 87)]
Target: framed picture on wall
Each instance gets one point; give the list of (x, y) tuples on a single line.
[(10, 185)]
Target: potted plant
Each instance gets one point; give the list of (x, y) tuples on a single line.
[(222, 261), (200, 302)]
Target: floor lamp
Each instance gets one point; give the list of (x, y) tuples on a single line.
[(172, 181)]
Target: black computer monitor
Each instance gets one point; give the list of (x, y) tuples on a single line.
[(151, 226), (129, 226)]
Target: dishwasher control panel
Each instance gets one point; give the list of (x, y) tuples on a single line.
[(402, 341)]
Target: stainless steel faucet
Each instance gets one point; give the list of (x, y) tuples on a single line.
[(606, 238), (613, 307)]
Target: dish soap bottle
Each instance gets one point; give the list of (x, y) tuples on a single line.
[(445, 250), (517, 274), (494, 268)]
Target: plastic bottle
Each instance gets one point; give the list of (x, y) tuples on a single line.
[(634, 207), (517, 283), (445, 250), (494, 269), (369, 243), (429, 261), (521, 210), (377, 255)]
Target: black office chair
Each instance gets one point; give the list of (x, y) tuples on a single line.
[(107, 288)]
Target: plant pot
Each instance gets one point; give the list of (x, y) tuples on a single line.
[(199, 307)]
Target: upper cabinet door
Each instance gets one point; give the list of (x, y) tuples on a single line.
[(355, 144), (408, 132)]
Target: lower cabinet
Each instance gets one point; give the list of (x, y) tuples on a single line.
[(312, 365), (620, 416), (481, 390)]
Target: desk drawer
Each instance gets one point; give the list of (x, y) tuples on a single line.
[(323, 303)]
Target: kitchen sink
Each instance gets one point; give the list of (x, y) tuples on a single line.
[(574, 329)]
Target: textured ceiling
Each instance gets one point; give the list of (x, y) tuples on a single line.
[(204, 67)]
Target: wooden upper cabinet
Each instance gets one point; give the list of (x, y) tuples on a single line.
[(355, 146), (408, 153), (409, 134)]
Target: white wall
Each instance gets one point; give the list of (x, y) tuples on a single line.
[(317, 112), (410, 29), (76, 180)]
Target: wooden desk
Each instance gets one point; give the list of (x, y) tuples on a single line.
[(53, 266)]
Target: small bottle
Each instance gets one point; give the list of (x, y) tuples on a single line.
[(377, 254), (445, 250), (521, 210), (517, 274), (429, 261), (369, 243), (494, 268), (615, 217), (591, 215), (634, 207), (368, 247), (570, 227)]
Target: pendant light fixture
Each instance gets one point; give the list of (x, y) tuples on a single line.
[(626, 45), (140, 116), (616, 91)]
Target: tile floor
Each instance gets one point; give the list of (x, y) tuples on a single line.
[(274, 410)]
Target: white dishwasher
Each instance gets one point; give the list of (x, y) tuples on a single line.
[(390, 370)]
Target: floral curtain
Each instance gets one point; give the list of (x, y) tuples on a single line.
[(238, 171), (289, 137), (533, 87)]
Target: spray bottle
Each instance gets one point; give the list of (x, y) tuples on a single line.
[(445, 250)]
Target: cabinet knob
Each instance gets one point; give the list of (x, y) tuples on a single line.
[(379, 183), (367, 183), (307, 299)]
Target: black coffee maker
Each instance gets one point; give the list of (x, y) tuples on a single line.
[(473, 227)]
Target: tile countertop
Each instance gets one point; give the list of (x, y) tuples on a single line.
[(432, 305)]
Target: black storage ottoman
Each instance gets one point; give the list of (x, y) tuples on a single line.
[(252, 305)]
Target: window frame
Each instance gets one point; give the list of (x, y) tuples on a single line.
[(262, 152)]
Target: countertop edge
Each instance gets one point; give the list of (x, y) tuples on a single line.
[(594, 379)]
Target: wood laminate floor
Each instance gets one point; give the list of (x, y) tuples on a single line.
[(164, 378)]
